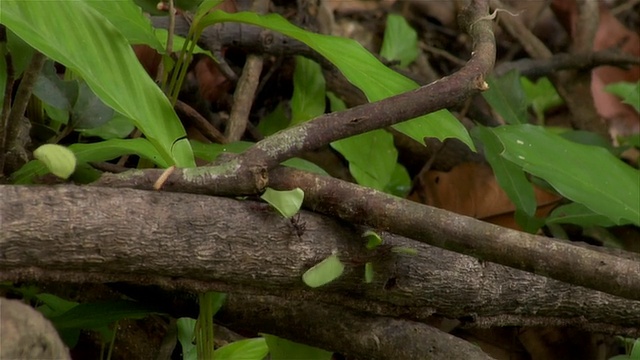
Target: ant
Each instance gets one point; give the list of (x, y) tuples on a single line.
[(298, 226)]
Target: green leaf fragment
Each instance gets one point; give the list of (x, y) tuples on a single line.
[(287, 202), (324, 272), (368, 272), (373, 239), (58, 159)]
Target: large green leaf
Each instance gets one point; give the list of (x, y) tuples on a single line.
[(283, 349), (510, 177), (99, 314), (506, 97), (372, 157), (629, 92), (79, 37), (400, 41), (308, 100), (246, 349), (359, 66), (588, 175), (128, 18)]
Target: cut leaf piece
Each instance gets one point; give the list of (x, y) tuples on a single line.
[(368, 272), (373, 239), (324, 272), (287, 202), (404, 250), (58, 159)]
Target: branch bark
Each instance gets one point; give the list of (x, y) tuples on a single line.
[(196, 243)]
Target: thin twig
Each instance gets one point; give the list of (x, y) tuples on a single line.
[(534, 47), (246, 90), (23, 95), (6, 102), (208, 130)]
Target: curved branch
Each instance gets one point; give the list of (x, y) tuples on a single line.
[(548, 257), (247, 173)]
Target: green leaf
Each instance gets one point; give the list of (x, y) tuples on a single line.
[(372, 157), (178, 43), (186, 327), (335, 102), (404, 250), (302, 164), (58, 159), (209, 152), (54, 305), (21, 52), (3, 73), (117, 128), (506, 97), (373, 239), (541, 95), (577, 214), (324, 272), (128, 18), (400, 182), (400, 41), (359, 66), (101, 151), (369, 273), (274, 121), (287, 202), (629, 92), (247, 349), (79, 37), (283, 349), (440, 124), (99, 314), (510, 176), (89, 111), (308, 100), (585, 174), (54, 91)]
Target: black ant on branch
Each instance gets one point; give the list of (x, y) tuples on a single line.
[(298, 226)]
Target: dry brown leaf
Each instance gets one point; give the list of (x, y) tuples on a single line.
[(622, 118), (471, 189)]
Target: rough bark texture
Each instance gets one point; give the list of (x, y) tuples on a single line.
[(197, 243)]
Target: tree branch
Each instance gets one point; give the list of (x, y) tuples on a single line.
[(196, 243)]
